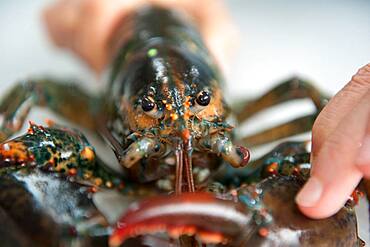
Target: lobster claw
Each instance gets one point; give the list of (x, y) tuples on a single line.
[(256, 215), (212, 220)]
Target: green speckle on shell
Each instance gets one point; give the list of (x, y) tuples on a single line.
[(152, 52)]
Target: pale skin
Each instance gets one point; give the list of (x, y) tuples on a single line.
[(340, 148), (340, 135)]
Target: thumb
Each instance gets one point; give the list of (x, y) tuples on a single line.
[(336, 173)]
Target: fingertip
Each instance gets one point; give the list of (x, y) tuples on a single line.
[(309, 200), (317, 212), (330, 195), (323, 208), (311, 193)]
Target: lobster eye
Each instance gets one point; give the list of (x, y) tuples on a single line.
[(150, 108), (203, 98), (147, 104), (200, 102)]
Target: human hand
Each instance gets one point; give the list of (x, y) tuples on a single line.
[(86, 26), (340, 149)]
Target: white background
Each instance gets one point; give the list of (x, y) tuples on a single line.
[(324, 41)]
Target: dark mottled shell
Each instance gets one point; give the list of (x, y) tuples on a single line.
[(41, 209), (291, 228)]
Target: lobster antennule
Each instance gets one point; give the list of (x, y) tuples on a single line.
[(212, 220), (188, 150)]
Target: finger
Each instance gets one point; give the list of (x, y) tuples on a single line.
[(336, 174), (60, 19), (338, 107), (85, 26), (363, 158)]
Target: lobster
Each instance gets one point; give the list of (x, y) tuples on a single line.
[(181, 171)]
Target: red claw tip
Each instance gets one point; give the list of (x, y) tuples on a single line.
[(245, 155), (198, 214)]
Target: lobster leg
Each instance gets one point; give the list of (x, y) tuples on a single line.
[(64, 99), (293, 127), (294, 88)]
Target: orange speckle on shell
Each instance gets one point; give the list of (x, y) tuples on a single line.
[(169, 107), (296, 171), (14, 150), (72, 171), (98, 181), (93, 189), (30, 131), (187, 114), (272, 168), (88, 153), (187, 103), (263, 232), (186, 134), (174, 116)]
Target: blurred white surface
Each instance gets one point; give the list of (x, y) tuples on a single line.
[(325, 41)]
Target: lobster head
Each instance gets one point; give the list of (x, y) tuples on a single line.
[(171, 107)]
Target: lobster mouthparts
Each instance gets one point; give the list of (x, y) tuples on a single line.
[(212, 220)]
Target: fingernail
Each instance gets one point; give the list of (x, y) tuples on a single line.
[(363, 157), (310, 194)]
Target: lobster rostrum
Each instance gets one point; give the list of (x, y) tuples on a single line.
[(164, 116)]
